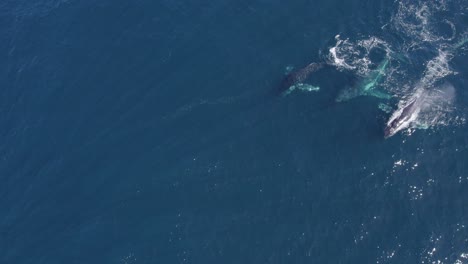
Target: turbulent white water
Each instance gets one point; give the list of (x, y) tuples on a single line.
[(356, 56), (428, 38)]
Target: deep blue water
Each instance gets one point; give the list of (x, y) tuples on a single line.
[(146, 132)]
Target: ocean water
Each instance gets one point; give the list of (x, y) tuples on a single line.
[(148, 132)]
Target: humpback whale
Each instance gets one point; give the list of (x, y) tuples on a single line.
[(367, 86), (296, 77)]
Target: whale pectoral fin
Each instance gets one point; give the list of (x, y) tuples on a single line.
[(288, 91), (307, 87), (301, 86)]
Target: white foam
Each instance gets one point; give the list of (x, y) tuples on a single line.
[(355, 56), (336, 60), (415, 20), (437, 68), (423, 28)]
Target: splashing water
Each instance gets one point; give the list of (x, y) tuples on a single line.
[(425, 29)]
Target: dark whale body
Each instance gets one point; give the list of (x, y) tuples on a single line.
[(298, 76)]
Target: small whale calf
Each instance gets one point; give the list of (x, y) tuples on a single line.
[(297, 77)]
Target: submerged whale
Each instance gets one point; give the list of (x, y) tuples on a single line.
[(296, 77), (367, 87)]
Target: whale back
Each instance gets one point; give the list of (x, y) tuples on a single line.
[(298, 76), (394, 125)]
